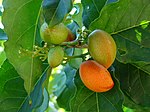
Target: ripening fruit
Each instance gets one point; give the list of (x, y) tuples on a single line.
[(102, 47), (54, 35), (95, 77), (70, 36), (55, 56)]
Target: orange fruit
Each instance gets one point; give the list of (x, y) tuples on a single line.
[(95, 77)]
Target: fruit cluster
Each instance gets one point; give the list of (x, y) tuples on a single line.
[(94, 74), (55, 35), (102, 49)]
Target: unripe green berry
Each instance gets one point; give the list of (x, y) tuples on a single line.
[(55, 56), (54, 35)]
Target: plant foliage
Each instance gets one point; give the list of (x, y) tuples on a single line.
[(27, 82)]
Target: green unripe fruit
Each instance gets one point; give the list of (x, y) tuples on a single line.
[(54, 35), (55, 56), (102, 47)]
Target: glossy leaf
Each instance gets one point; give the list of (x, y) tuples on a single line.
[(73, 27), (2, 53), (65, 97), (45, 103), (69, 51), (75, 62), (13, 96), (89, 101), (133, 45), (111, 1), (21, 30), (119, 16), (55, 10), (3, 35), (12, 92), (128, 102), (134, 79), (36, 98), (2, 57), (57, 84), (77, 17), (91, 10)]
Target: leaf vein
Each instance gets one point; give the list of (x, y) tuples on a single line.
[(84, 101), (110, 103), (19, 8)]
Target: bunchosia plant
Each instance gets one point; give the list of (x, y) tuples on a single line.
[(100, 45)]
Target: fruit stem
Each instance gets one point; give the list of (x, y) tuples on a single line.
[(76, 56), (76, 44)]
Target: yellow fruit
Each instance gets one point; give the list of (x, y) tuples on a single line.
[(55, 56), (102, 47), (95, 77), (54, 35)]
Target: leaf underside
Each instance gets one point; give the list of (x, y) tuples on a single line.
[(21, 30)]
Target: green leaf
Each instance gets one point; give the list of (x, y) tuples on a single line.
[(128, 102), (13, 97), (65, 97), (134, 79), (75, 62), (55, 10), (45, 103), (2, 58), (0, 12), (133, 45), (12, 92), (77, 17), (91, 10), (142, 110), (111, 1), (69, 51), (36, 98), (121, 15), (86, 100), (73, 27), (3, 35), (57, 85), (2, 53), (21, 30)]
